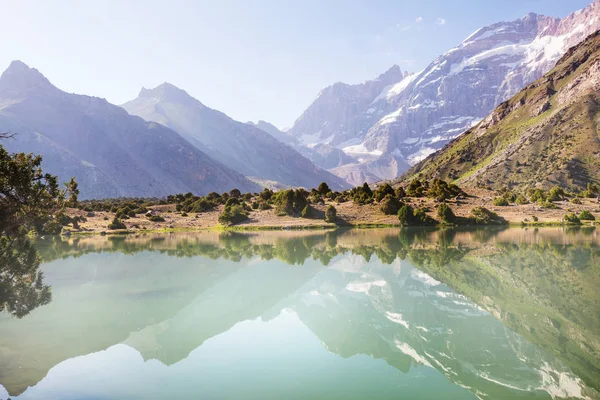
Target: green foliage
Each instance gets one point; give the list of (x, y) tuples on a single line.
[(264, 206), (156, 218), (416, 188), (116, 224), (29, 199), (585, 215), (233, 215), (500, 202), (408, 216), (72, 193), (400, 192), (307, 212), (483, 216), (521, 200), (555, 194), (266, 194), (390, 204), (232, 201), (575, 200), (445, 213), (362, 195), (235, 193), (255, 205), (547, 204), (383, 191), (290, 202), (441, 190), (184, 214), (571, 218), (536, 195), (330, 214), (405, 215), (323, 188)]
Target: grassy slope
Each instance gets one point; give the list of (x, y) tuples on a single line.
[(545, 135)]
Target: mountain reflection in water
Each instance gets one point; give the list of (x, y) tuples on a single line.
[(376, 313)]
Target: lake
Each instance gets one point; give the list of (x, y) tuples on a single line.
[(348, 314)]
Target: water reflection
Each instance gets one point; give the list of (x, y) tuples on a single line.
[(505, 313), (22, 287)]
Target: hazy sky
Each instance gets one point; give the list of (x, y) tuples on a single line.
[(252, 59)]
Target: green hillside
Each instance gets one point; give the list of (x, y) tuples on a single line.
[(546, 135)]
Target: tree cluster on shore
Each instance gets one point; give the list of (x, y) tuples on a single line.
[(31, 203)]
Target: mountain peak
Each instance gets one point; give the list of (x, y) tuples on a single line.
[(19, 76), (393, 74), (167, 92)]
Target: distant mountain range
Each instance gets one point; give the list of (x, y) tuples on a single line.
[(546, 135), (373, 131), (243, 147), (111, 153), (386, 125)]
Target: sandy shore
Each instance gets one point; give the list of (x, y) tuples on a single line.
[(348, 214)]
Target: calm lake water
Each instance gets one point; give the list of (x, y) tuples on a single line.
[(355, 314)]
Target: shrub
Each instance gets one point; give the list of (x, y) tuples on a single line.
[(105, 218), (264, 206), (233, 215), (330, 214), (290, 202), (184, 214), (445, 213), (255, 205), (441, 190), (415, 188), (520, 200), (547, 204), (362, 195), (266, 194), (536, 195), (575, 200), (400, 192), (201, 205), (421, 217), (390, 205), (232, 201), (571, 218), (500, 202), (555, 194), (235, 193), (483, 216), (534, 218), (323, 188), (307, 212), (116, 224), (382, 191), (585, 215), (156, 218), (406, 215)]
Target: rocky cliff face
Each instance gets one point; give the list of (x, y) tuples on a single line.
[(546, 135), (110, 152), (414, 116), (243, 147)]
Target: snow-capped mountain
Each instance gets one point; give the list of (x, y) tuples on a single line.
[(412, 116), (243, 147)]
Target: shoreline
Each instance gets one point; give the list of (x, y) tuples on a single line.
[(363, 226), (349, 215)]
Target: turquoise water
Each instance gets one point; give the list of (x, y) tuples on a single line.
[(354, 314)]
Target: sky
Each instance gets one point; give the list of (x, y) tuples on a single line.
[(251, 59)]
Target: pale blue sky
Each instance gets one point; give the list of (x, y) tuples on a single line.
[(252, 59)]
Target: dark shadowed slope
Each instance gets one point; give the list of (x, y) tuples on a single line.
[(110, 152)]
